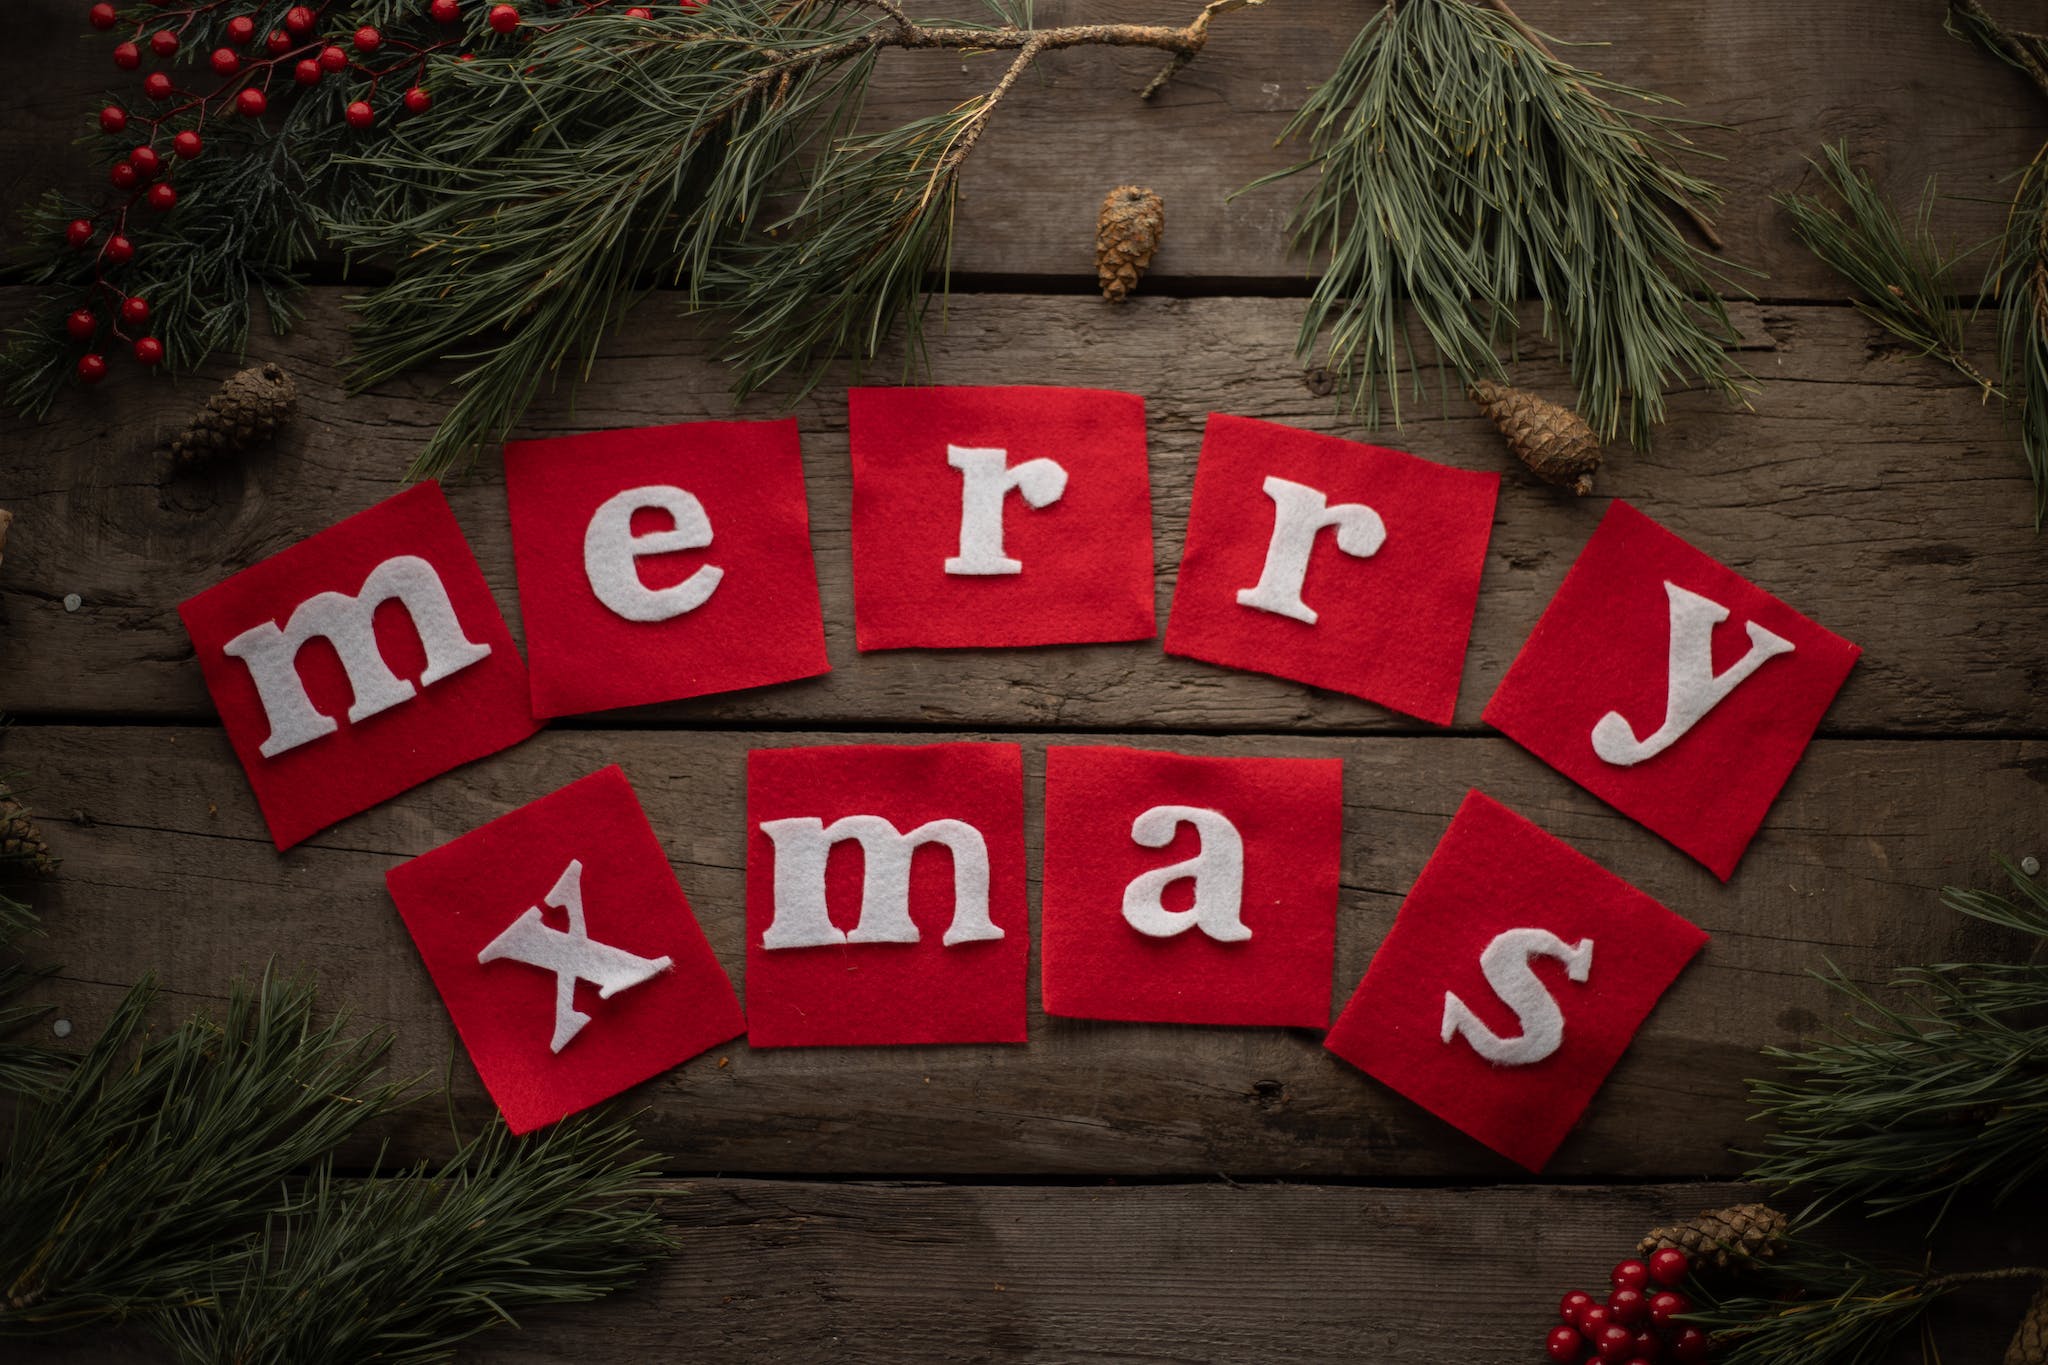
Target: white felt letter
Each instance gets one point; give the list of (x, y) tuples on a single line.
[(1217, 870), (1692, 688), (346, 622), (1298, 513), (573, 956), (1506, 964), (802, 847), (985, 481), (611, 552)]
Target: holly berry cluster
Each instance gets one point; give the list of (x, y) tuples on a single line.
[(1637, 1324)]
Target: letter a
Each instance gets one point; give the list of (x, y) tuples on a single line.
[(611, 552), (1217, 870), (985, 480), (1506, 964), (346, 622), (802, 847), (1298, 513), (1692, 688), (573, 956)]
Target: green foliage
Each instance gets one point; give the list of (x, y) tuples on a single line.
[(1817, 1307), (2020, 283), (1459, 163), (1914, 1101)]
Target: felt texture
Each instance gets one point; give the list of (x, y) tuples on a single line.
[(359, 662), (1671, 687), (1103, 852), (951, 549), (465, 903), (663, 562), (1345, 566), (1501, 900), (924, 934)]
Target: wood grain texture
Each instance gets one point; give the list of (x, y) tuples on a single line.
[(1778, 79), (1871, 490), (1153, 1275), (167, 868)]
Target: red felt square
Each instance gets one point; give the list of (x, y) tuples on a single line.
[(1244, 932), (906, 923), (663, 562), (1340, 565), (1514, 944), (561, 923), (1609, 685), (365, 659), (999, 516)]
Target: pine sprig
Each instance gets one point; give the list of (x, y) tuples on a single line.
[(1427, 140), (2019, 280), (1914, 1101)]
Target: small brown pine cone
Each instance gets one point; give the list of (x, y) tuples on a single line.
[(246, 410), (1127, 233), (1551, 439), (2030, 1343), (19, 837), (1733, 1238)]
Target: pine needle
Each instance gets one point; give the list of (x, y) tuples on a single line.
[(1460, 163)]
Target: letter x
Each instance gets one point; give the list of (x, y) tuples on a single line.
[(573, 956)]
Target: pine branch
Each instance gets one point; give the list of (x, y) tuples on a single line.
[(1460, 162), (2025, 52), (2019, 280), (1899, 272)]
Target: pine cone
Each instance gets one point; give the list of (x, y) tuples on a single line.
[(1551, 439), (19, 837), (1127, 233), (247, 409), (1728, 1239), (2030, 1343)]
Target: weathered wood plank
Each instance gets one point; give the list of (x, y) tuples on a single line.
[(1864, 487), (167, 868), (1783, 79), (1289, 1274)]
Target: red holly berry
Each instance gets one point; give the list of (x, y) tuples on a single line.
[(224, 61), (120, 250), (1595, 1320), (1690, 1344), (359, 114), (1629, 1275), (149, 350), (187, 145), (241, 30), (78, 233), (158, 86), (145, 161), (333, 58), (113, 119), (1669, 1267), (639, 12), (467, 57), (163, 42), (504, 18), (134, 312), (127, 56), (444, 11), (418, 100), (92, 368), (1564, 1345), (1628, 1305), (82, 324), (367, 39), (307, 72), (101, 16), (1573, 1304), (1667, 1305), (162, 197), (123, 176), (250, 103), (1649, 1346), (1613, 1342), (278, 41), (300, 20)]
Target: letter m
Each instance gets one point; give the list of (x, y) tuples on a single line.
[(347, 623), (802, 847)]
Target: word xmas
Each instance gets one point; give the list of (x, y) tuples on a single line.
[(668, 563)]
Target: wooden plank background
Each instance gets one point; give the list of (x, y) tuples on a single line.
[(1108, 1191)]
